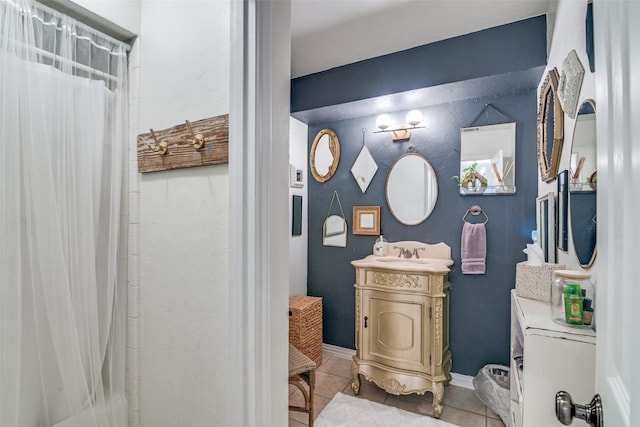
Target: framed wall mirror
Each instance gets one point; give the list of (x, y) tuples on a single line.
[(583, 185), (334, 231), (550, 127), (546, 225), (487, 159), (324, 155), (411, 189), (563, 202), (366, 220)]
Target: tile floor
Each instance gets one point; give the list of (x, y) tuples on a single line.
[(461, 406)]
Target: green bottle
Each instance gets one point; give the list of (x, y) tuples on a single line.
[(573, 304)]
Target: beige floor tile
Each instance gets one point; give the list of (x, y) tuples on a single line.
[(368, 391), (491, 414), (463, 398), (319, 404), (462, 418), (461, 406), (327, 385), (494, 423), (422, 405), (337, 366), (292, 389)]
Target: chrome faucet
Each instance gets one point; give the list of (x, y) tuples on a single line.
[(415, 251)]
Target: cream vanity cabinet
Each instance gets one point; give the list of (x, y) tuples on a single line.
[(402, 322), (555, 357)]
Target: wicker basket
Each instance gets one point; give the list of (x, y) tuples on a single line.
[(305, 326), (534, 282)]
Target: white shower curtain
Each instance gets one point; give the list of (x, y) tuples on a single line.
[(63, 130)]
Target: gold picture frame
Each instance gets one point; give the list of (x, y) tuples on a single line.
[(550, 127), (366, 220)]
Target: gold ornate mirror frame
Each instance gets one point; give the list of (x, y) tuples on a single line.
[(549, 99), (334, 148)]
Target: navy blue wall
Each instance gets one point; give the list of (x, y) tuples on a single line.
[(476, 69), (480, 313)]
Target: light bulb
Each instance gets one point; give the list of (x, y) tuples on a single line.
[(383, 121), (414, 117)]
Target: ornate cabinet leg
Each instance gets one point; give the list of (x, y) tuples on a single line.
[(438, 393), (355, 384)]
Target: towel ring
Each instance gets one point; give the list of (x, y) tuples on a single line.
[(475, 210)]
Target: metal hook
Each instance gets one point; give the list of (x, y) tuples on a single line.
[(198, 139), (161, 147)]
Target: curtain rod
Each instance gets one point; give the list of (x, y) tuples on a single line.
[(54, 57), (39, 7)]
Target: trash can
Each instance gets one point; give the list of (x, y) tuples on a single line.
[(492, 388)]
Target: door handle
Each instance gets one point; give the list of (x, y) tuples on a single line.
[(566, 410), (365, 321)]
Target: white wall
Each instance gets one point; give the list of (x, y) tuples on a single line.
[(298, 244), (568, 33), (177, 329), (183, 221)]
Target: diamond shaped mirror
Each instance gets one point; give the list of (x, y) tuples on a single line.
[(364, 168)]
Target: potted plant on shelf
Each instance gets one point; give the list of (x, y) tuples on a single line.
[(472, 180)]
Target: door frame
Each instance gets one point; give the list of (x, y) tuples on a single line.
[(259, 241)]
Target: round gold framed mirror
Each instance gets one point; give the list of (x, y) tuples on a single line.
[(324, 155), (550, 127)]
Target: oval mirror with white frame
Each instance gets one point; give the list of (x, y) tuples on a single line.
[(583, 185), (324, 155), (411, 189)]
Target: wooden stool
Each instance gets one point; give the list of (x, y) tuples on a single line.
[(302, 370)]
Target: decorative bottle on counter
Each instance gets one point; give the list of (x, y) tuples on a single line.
[(380, 245), (572, 299)]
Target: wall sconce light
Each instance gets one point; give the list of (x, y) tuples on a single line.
[(400, 132)]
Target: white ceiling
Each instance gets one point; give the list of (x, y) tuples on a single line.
[(330, 33)]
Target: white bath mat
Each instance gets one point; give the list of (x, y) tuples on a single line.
[(347, 411)]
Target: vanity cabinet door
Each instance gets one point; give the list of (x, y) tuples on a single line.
[(397, 330)]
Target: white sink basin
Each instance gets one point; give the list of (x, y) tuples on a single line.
[(424, 261), (398, 259)]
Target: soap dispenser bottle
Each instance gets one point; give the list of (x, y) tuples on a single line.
[(380, 245)]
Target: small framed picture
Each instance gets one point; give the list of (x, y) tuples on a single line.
[(366, 220), (296, 178), (296, 226)]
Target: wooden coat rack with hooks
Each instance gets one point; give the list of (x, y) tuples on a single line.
[(200, 143)]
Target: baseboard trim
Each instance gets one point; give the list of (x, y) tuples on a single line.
[(341, 352), (459, 380)]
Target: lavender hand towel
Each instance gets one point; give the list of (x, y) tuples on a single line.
[(473, 248)]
